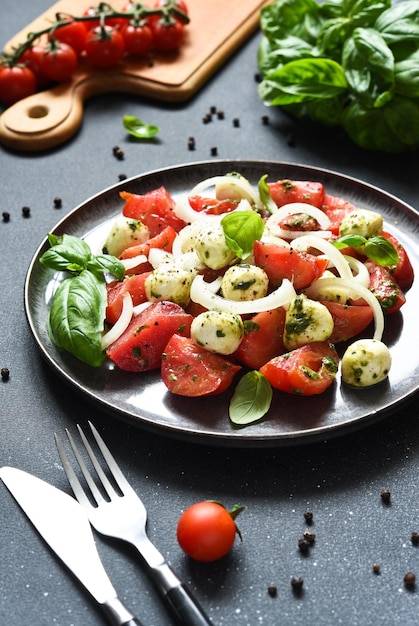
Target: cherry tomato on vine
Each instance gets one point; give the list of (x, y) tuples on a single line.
[(180, 5), (73, 34), (206, 530), (32, 58), (138, 39), (16, 82), (92, 24), (168, 38), (105, 47), (59, 62)]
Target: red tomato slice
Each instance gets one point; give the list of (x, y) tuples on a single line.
[(154, 209), (305, 371), (285, 191), (348, 320), (189, 370), (212, 205), (336, 209), (263, 339), (163, 240), (141, 346), (403, 272), (134, 285), (279, 263), (385, 288)]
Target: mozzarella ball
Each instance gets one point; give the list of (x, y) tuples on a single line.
[(169, 282), (244, 282), (211, 247), (218, 331), (365, 363), (306, 321), (125, 232), (361, 222)]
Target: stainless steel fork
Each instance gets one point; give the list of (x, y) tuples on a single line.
[(124, 517)]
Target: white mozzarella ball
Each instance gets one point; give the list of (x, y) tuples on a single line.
[(361, 222), (365, 363), (169, 282), (306, 321), (125, 232), (218, 331), (244, 282), (211, 246)]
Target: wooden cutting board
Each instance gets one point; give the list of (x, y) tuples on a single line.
[(49, 118)]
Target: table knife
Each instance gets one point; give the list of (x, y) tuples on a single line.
[(63, 524)]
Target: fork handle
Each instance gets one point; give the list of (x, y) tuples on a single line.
[(185, 607)]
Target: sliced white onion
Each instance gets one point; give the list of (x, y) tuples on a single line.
[(361, 275), (203, 294), (134, 261), (333, 254), (237, 181), (185, 212), (139, 308), (157, 256), (284, 233), (121, 324), (277, 241), (296, 208), (333, 285)]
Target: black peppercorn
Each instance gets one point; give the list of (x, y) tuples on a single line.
[(220, 115), (214, 151), (118, 153), (303, 545), (310, 537), (58, 203), (415, 538), (5, 374), (308, 516), (385, 495), (207, 118), (6, 216), (122, 176), (409, 580), (26, 211), (272, 591), (236, 122), (191, 143), (297, 584), (265, 120), (376, 568)]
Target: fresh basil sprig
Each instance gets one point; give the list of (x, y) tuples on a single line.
[(77, 312), (241, 230), (378, 248), (251, 399), (352, 63), (138, 129), (265, 194)]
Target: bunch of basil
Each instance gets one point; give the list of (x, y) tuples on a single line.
[(353, 63)]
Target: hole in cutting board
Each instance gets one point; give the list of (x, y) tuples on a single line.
[(38, 111)]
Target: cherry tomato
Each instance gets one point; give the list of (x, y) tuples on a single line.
[(59, 62), (159, 4), (89, 25), (138, 38), (206, 531), (32, 58), (105, 47), (305, 371), (16, 83), (168, 38), (73, 34)]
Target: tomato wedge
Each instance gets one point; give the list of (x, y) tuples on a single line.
[(336, 209), (403, 272), (189, 370), (286, 191), (301, 268), (305, 371), (213, 206), (134, 285), (349, 320), (385, 288), (164, 240), (155, 209), (141, 346), (263, 339)]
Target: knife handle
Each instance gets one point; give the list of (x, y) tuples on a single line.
[(185, 607), (118, 614)]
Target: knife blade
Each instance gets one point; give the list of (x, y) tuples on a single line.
[(63, 524)]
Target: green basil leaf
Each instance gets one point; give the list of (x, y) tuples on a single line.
[(406, 76), (381, 251), (265, 194), (106, 263), (251, 399), (399, 23), (354, 241), (139, 129), (291, 17), (67, 253), (77, 316), (310, 78), (241, 230)]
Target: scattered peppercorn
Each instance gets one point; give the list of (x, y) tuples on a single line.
[(303, 545), (118, 153), (415, 538), (207, 118), (214, 151), (409, 580), (58, 203), (191, 143), (213, 109), (265, 120), (297, 584), (272, 590), (376, 568), (385, 495), (258, 77), (308, 516), (122, 177), (26, 211), (220, 114), (310, 537), (236, 122), (6, 216), (5, 374)]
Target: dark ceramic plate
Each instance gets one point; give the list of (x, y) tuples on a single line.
[(143, 400)]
